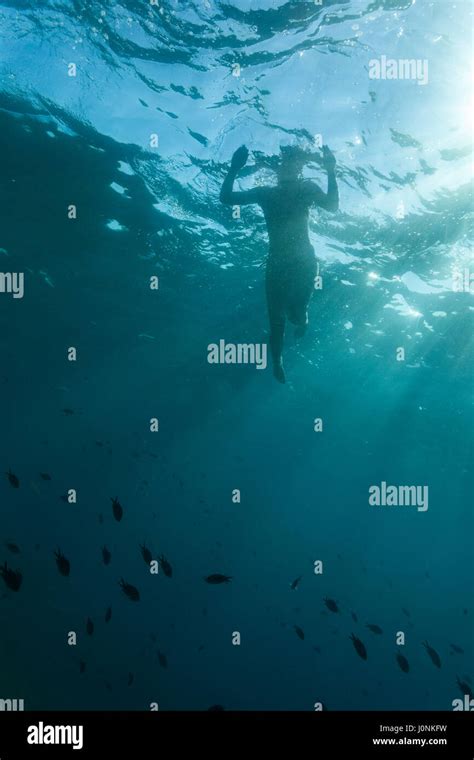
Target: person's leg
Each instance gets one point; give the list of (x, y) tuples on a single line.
[(276, 315), (300, 292)]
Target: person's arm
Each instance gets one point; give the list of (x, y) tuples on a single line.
[(227, 194), (330, 200)]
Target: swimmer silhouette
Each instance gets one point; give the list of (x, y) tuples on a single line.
[(291, 265)]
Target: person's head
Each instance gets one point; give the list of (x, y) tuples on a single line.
[(292, 160)]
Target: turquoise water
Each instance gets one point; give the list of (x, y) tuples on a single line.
[(390, 261)]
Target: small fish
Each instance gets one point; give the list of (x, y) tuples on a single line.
[(108, 614), (146, 554), (215, 708), (354, 617), (165, 566), (68, 411), (12, 578), (216, 578), (374, 628), (162, 660), (405, 612), (457, 649), (403, 663), (89, 627), (129, 590), (12, 479), (12, 547), (317, 649), (299, 632), (464, 687), (331, 605), (117, 509), (82, 667), (106, 556), (201, 647), (130, 679), (433, 654), (45, 476), (295, 583), (64, 566), (359, 647)]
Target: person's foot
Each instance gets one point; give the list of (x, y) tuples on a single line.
[(278, 372)]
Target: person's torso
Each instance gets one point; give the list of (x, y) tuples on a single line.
[(286, 212)]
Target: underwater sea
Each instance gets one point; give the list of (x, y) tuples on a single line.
[(177, 534)]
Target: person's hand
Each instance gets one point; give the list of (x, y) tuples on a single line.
[(239, 159), (329, 162)]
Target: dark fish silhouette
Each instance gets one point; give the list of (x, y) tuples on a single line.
[(108, 614), (317, 649), (405, 612), (12, 479), (45, 476), (146, 554), (374, 628), (12, 578), (215, 708), (403, 663), (82, 667), (162, 660), (299, 632), (68, 411), (106, 556), (130, 679), (117, 509), (295, 583), (218, 578), (359, 647), (433, 654), (457, 649), (12, 547), (331, 605), (354, 617), (64, 566), (165, 566), (89, 627), (129, 590), (464, 687)]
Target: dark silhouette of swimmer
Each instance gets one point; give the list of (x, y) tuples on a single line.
[(291, 265)]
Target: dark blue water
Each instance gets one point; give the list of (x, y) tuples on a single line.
[(389, 259)]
